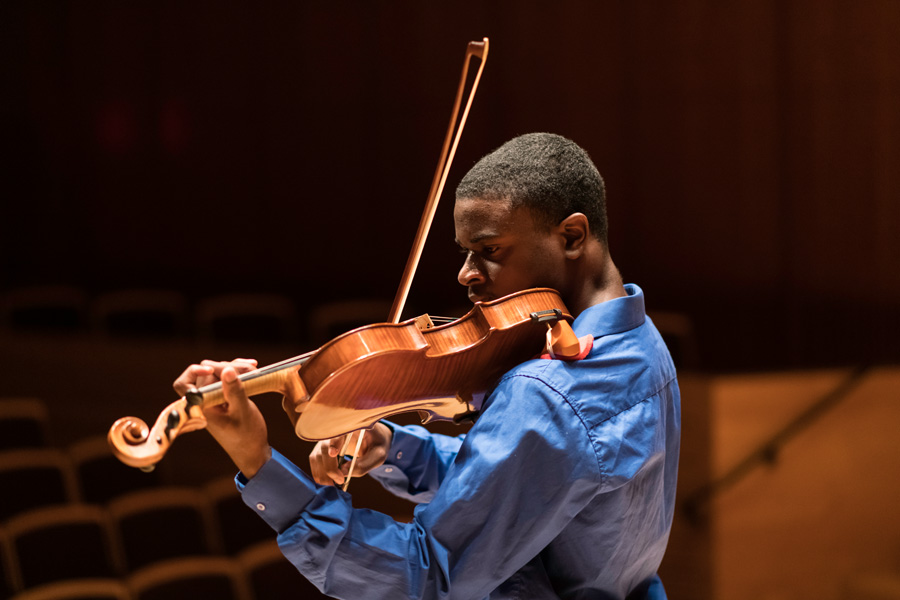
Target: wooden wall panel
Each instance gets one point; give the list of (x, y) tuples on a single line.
[(821, 517)]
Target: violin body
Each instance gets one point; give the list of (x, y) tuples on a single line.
[(376, 371)]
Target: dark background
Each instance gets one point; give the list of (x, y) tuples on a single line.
[(750, 150)]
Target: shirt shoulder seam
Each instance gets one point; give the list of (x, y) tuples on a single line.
[(604, 476)]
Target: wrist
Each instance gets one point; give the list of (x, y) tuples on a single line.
[(249, 463)]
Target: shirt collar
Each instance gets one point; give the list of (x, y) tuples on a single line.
[(613, 316)]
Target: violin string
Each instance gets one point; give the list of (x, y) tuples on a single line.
[(442, 320), (261, 371)]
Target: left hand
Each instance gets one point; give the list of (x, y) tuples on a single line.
[(237, 424)]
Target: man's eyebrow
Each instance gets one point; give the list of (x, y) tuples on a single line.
[(478, 238)]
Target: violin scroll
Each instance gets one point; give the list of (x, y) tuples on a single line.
[(137, 445)]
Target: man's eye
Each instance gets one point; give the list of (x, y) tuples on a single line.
[(490, 249)]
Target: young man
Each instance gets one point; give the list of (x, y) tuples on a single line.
[(565, 485)]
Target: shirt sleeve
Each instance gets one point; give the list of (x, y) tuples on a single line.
[(417, 462), (524, 470)]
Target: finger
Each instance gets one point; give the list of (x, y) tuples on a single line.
[(374, 449), (336, 474), (369, 459), (324, 468), (244, 365), (216, 367), (336, 445), (216, 375), (241, 365), (232, 386), (229, 376), (191, 377)]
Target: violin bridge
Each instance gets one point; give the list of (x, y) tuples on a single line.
[(424, 322)]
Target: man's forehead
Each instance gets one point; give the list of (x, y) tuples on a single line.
[(480, 210), (479, 219)]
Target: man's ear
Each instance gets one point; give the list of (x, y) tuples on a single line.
[(575, 231)]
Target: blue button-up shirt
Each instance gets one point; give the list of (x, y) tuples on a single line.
[(563, 488)]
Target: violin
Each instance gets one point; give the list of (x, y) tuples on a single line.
[(375, 372), (384, 369)]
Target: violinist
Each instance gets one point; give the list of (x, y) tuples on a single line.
[(564, 487)]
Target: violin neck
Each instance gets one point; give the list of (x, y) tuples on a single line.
[(281, 377)]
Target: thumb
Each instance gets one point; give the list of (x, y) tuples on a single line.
[(231, 385), (335, 445)]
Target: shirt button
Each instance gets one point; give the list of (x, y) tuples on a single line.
[(260, 506), (389, 469), (399, 455)]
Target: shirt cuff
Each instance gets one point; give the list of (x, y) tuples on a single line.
[(404, 445), (279, 491)]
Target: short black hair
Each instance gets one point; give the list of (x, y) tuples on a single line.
[(549, 174)]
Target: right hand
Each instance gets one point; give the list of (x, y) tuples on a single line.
[(324, 461)]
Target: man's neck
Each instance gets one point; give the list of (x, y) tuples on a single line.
[(599, 285)]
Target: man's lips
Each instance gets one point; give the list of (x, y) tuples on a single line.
[(475, 296)]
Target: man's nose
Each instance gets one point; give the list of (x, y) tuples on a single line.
[(470, 274)]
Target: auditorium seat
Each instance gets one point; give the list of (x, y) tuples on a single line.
[(327, 321), (163, 523), (239, 525), (678, 332), (7, 585), (192, 578), (78, 589), (267, 318), (271, 577), (101, 476), (47, 308), (24, 423), (140, 313), (60, 543), (39, 476)]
